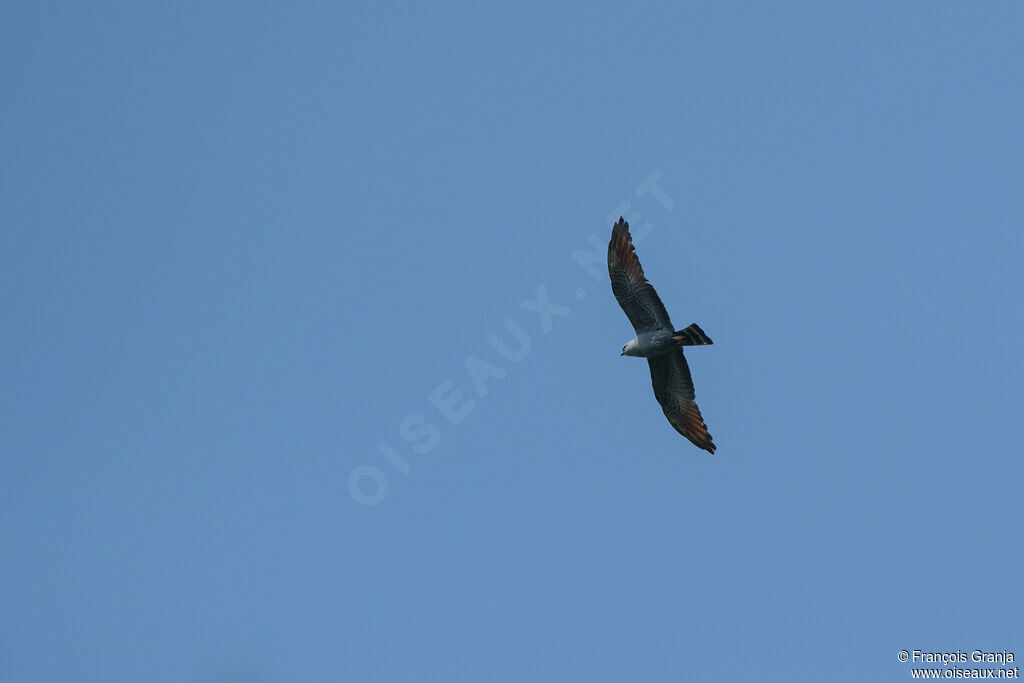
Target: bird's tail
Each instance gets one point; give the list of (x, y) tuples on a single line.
[(691, 336)]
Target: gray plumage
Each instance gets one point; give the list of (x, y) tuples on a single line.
[(656, 339)]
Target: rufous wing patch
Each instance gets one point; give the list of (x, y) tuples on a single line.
[(689, 422), (625, 254)]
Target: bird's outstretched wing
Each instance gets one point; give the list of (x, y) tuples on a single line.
[(673, 387), (635, 294)]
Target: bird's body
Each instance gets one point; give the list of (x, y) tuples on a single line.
[(656, 339), (650, 343)]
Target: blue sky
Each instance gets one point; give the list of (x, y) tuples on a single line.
[(244, 245)]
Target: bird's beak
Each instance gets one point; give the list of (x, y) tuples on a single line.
[(622, 353)]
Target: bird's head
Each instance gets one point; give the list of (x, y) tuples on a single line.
[(623, 351)]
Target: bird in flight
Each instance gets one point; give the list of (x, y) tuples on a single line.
[(656, 339)]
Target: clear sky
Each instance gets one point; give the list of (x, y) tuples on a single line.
[(308, 372)]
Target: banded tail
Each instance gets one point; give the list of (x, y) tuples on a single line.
[(691, 336)]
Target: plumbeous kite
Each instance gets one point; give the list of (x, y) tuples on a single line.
[(656, 339)]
